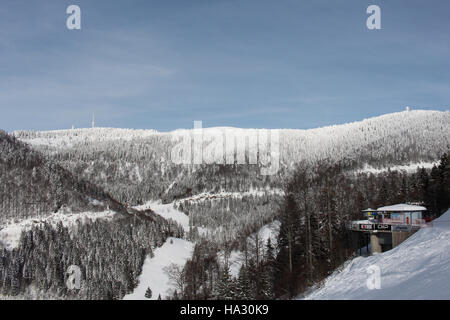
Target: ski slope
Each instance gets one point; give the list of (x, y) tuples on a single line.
[(419, 268), (174, 250)]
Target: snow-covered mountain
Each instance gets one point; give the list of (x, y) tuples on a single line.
[(418, 268), (218, 205), (396, 136), (138, 166), (127, 162)]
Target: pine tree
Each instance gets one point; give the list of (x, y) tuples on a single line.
[(148, 293), (243, 288), (443, 201), (383, 195), (225, 285), (268, 273)]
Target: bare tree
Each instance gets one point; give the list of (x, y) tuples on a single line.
[(176, 276)]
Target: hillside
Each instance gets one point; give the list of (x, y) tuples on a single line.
[(32, 185), (416, 269), (410, 129), (137, 166), (154, 276), (50, 219), (126, 162)]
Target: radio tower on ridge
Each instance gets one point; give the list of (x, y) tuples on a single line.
[(93, 120)]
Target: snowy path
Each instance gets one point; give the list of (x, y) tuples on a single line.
[(227, 195), (153, 275), (419, 268), (167, 211)]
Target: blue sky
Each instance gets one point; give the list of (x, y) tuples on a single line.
[(243, 63)]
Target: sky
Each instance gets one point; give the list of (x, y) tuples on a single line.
[(162, 64)]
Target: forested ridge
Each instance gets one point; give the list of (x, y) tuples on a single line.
[(126, 163), (32, 184)]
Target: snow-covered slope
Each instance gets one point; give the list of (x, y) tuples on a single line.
[(167, 211), (419, 268), (126, 163), (418, 132), (69, 138), (198, 198), (411, 167), (11, 230), (175, 251)]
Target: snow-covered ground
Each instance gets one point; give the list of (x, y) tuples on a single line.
[(419, 268), (173, 251), (11, 230), (153, 276), (167, 211), (412, 167), (425, 128), (72, 137), (226, 195)]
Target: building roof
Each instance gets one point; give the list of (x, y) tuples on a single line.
[(402, 207), (369, 210)]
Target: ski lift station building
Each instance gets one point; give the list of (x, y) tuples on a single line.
[(387, 227)]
